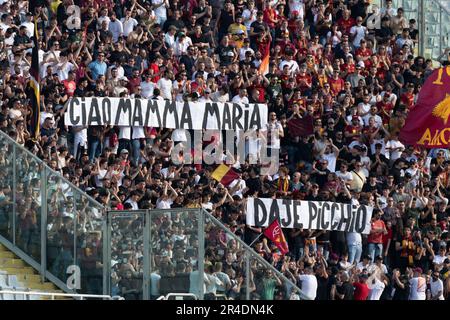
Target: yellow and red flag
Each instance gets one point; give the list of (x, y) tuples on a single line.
[(275, 234), (33, 86), (427, 124), (224, 174)]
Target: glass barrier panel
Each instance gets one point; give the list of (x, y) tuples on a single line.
[(61, 223), (269, 285), (29, 187), (225, 263), (89, 244), (7, 186), (127, 252), (174, 252)]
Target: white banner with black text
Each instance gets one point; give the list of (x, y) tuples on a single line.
[(165, 114), (318, 215)]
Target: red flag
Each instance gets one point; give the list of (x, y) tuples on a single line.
[(427, 124), (301, 127), (275, 234)]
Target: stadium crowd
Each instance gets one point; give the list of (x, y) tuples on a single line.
[(356, 77)]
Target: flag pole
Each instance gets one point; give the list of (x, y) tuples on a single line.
[(253, 242)]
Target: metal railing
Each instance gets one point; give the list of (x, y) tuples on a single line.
[(138, 248), (48, 222), (53, 295), (178, 296), (55, 227)]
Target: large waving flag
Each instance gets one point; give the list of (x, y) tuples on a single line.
[(275, 234), (33, 89), (427, 124)]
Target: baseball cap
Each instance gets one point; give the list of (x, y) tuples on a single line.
[(418, 270), (124, 151)]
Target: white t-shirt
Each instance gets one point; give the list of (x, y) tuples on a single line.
[(360, 266), (63, 70), (331, 158), (147, 89), (251, 15), (138, 133), (116, 29), (437, 286), (297, 5), (160, 12), (164, 204), (309, 285), (165, 85), (239, 99), (438, 259), (376, 290), (30, 28), (242, 52), (293, 65), (377, 118), (134, 204), (391, 154), (347, 177), (125, 133), (100, 21), (360, 33), (128, 25), (418, 287), (242, 186)]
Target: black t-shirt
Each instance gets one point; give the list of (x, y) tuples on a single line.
[(226, 18), (179, 24), (224, 54), (346, 289), (257, 27), (201, 39), (384, 32), (118, 56), (322, 293)]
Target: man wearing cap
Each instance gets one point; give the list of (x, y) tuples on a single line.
[(361, 289)]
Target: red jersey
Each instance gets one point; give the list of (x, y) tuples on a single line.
[(384, 108), (346, 25), (304, 82), (407, 99), (69, 87), (361, 291), (155, 68), (356, 130), (270, 14), (349, 68), (133, 83), (263, 46), (336, 85), (376, 237)]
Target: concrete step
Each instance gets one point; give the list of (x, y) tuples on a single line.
[(46, 286), (29, 277), (7, 254), (12, 263), (18, 270)]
